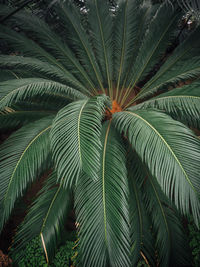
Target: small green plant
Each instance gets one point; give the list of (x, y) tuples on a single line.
[(194, 236), (64, 255), (34, 255)]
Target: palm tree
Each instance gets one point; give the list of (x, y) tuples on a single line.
[(109, 111)]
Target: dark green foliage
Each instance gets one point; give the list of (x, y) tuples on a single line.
[(64, 255), (34, 255), (194, 237)]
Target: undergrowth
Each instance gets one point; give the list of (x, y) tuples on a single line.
[(67, 253)]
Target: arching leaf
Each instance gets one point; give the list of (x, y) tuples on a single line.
[(75, 139), (181, 103), (44, 69), (170, 150), (170, 235), (71, 17), (183, 64), (26, 153), (102, 208), (50, 41), (154, 45), (142, 240), (125, 34), (22, 89), (29, 47), (10, 118), (100, 23)]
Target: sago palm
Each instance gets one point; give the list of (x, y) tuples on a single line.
[(91, 103)]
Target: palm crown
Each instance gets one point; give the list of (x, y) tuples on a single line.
[(91, 102)]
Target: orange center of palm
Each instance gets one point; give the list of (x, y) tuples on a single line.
[(115, 108)]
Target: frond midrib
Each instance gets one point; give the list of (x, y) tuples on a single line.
[(78, 129), (50, 206), (103, 180)]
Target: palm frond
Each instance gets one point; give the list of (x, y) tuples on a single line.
[(10, 118), (100, 24), (48, 102), (38, 67), (51, 42), (170, 236), (13, 91), (181, 103), (154, 45), (79, 38), (142, 18), (141, 236), (102, 208), (46, 219), (170, 150), (75, 139), (29, 146), (20, 42), (183, 64), (125, 33)]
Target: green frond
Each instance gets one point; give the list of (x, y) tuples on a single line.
[(70, 15), (38, 67), (20, 42), (141, 236), (125, 33), (10, 118), (48, 102), (100, 24), (102, 208), (156, 40), (46, 219), (170, 150), (75, 139), (183, 64), (13, 91), (170, 236), (140, 20), (28, 146), (53, 43), (181, 103)]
